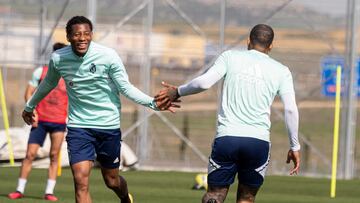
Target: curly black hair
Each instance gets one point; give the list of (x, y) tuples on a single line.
[(77, 20)]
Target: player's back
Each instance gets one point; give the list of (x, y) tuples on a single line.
[(252, 81)]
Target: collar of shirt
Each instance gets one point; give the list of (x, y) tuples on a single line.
[(259, 53)]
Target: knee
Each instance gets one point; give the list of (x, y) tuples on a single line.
[(246, 193), (81, 182), (112, 182), (54, 157), (30, 156), (246, 197), (211, 198)]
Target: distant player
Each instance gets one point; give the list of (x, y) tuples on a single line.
[(94, 77), (51, 116), (242, 144)]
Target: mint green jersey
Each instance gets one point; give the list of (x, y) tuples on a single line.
[(35, 79), (251, 81), (93, 84)]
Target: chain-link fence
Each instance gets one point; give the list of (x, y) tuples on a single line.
[(175, 40)]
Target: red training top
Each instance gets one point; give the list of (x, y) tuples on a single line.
[(54, 107)]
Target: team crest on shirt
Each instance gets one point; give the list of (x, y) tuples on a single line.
[(92, 68)]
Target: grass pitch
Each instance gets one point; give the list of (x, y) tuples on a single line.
[(174, 187)]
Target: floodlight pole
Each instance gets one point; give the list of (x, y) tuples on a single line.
[(222, 25), (41, 34), (145, 75), (347, 152), (91, 11), (221, 44), (48, 39)]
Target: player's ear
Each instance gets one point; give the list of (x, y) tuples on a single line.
[(270, 47), (248, 43), (68, 37)]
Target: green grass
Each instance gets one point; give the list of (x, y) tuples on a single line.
[(174, 187)]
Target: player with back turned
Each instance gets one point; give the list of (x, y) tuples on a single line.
[(252, 79)]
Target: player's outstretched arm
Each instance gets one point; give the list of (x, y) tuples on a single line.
[(119, 75), (199, 84), (171, 93)]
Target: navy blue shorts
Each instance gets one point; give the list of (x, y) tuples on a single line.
[(90, 144), (245, 156), (38, 134)]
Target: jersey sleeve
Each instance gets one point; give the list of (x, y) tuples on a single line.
[(286, 83), (35, 78), (208, 79), (200, 83), (220, 65), (50, 81), (119, 76), (291, 114)]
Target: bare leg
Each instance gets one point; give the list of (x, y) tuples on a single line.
[(81, 172), (57, 139), (116, 183), (29, 158), (215, 194), (246, 194)]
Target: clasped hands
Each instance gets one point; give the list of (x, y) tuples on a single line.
[(167, 98)]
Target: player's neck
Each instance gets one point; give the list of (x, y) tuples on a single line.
[(262, 50), (259, 48)]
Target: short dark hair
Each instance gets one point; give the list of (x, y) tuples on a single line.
[(77, 20), (262, 35), (58, 45)]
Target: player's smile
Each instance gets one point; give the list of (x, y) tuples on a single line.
[(81, 46)]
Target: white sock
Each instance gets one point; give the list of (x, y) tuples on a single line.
[(50, 186), (21, 185)]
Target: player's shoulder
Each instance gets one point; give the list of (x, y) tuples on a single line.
[(238, 53), (38, 71), (61, 53), (278, 64), (232, 52), (101, 49)]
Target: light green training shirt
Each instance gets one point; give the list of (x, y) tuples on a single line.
[(251, 81), (35, 78), (93, 83)]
